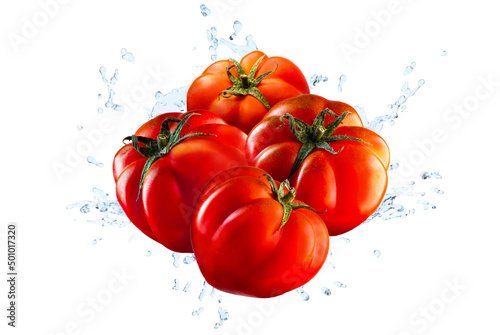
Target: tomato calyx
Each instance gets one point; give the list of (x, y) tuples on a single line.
[(285, 200), (318, 135), (155, 149), (245, 84)]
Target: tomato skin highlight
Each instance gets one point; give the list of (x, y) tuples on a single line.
[(244, 111), (163, 209), (238, 243), (349, 185)]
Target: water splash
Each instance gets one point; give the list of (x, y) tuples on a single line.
[(198, 311), (409, 68), (345, 239), (186, 288), (173, 101), (377, 253), (127, 56), (426, 204), (388, 209), (426, 175), (393, 166), (176, 257), (237, 28), (109, 210), (188, 259), (176, 285), (316, 79), (223, 316), (114, 78), (92, 160), (362, 114), (214, 42), (241, 50), (203, 291), (205, 11), (326, 291), (111, 93), (377, 123), (342, 80), (339, 284), (437, 190), (303, 294)]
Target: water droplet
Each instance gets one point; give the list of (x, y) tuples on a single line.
[(176, 259), (220, 299), (345, 239), (102, 71), (409, 68), (237, 28), (376, 253), (437, 190), (303, 294), (393, 166), (212, 294), (92, 160), (326, 291), (198, 311), (129, 57), (189, 259), (85, 208), (176, 285), (148, 253), (444, 53), (186, 288), (205, 11), (339, 284), (203, 290), (99, 110), (316, 79), (131, 238), (332, 265), (342, 80), (79, 127), (99, 96), (114, 78), (94, 241)]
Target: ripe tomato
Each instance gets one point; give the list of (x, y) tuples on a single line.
[(335, 164), (242, 93), (252, 238), (160, 175)]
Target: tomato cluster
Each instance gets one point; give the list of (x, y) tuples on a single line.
[(254, 177)]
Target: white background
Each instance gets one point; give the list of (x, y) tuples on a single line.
[(49, 85)]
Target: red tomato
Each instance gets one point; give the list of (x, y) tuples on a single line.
[(251, 238), (335, 164), (159, 199), (242, 93)]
